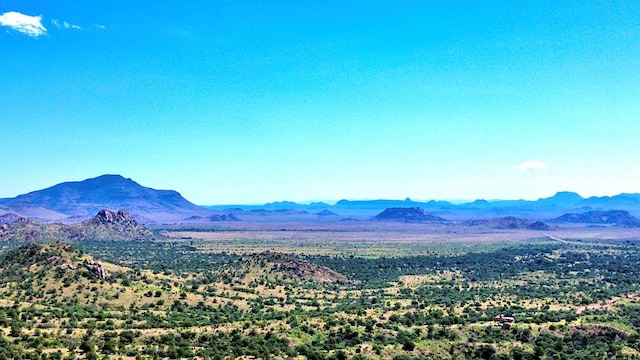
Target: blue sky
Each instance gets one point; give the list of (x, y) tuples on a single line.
[(257, 101)]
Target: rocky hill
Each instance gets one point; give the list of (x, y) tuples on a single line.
[(8, 218), (408, 215), (85, 198), (276, 267), (109, 225), (47, 271), (510, 222), (57, 275), (615, 217), (106, 225)]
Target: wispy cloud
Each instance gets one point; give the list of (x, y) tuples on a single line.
[(65, 25), (530, 165), (25, 24)]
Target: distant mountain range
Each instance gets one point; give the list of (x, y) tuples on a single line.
[(544, 208), (80, 200)]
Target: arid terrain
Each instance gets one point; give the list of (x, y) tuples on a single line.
[(332, 290)]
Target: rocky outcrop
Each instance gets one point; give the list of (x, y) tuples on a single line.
[(223, 217), (106, 216), (97, 269)]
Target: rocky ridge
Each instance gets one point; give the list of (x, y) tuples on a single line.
[(106, 225), (510, 223)]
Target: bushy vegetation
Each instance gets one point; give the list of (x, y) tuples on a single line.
[(170, 299)]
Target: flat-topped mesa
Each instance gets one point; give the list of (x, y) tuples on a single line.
[(106, 216), (409, 215)]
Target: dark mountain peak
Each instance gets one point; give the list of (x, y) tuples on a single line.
[(87, 197), (410, 214), (562, 198)]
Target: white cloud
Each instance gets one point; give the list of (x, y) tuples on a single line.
[(28, 25), (530, 165), (65, 25)]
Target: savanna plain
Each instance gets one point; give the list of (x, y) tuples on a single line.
[(335, 290)]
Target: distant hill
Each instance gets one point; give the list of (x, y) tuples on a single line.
[(8, 218), (509, 222), (409, 215), (106, 225), (275, 267), (85, 198), (325, 213), (617, 217), (57, 275)]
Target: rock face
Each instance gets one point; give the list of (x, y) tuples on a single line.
[(106, 216), (615, 217), (409, 215), (108, 225)]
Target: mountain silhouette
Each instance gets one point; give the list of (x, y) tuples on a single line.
[(85, 198)]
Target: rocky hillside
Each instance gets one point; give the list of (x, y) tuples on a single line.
[(106, 225), (109, 225), (614, 217), (8, 218), (510, 222), (276, 267), (408, 215), (47, 271), (58, 275)]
